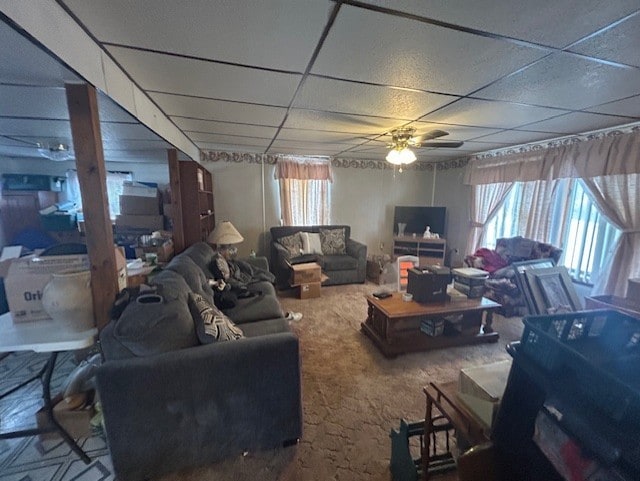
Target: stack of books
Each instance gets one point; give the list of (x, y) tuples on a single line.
[(469, 281)]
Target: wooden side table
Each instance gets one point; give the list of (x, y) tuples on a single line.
[(451, 416), (43, 336)]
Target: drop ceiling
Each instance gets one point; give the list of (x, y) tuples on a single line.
[(321, 77)]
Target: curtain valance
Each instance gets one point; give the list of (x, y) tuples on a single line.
[(303, 168), (612, 154)]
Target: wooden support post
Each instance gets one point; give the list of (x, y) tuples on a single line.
[(176, 200), (87, 143)]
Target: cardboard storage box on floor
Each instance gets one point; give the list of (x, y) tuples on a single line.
[(136, 188), (480, 388), (76, 422), (305, 273), (139, 205), (147, 223), (309, 290)]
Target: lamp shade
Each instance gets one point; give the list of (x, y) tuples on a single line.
[(225, 234)]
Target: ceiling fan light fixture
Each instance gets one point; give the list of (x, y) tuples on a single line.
[(58, 152), (401, 156)]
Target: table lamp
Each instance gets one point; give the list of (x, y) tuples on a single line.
[(224, 236)]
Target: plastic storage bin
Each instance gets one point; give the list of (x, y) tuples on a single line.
[(600, 349)]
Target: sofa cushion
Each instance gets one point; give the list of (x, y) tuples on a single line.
[(219, 267), (192, 274), (255, 308), (210, 323), (311, 243), (201, 253), (339, 263), (292, 243), (263, 328), (333, 241), (303, 259)]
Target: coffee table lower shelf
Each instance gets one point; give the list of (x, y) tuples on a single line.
[(423, 342), (394, 326)]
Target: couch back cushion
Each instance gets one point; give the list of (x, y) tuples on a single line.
[(282, 231), (193, 275), (202, 254)]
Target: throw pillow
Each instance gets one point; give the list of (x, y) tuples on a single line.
[(333, 241), (220, 268), (311, 243), (292, 243), (210, 323)]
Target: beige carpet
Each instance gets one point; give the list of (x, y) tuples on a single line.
[(352, 395)]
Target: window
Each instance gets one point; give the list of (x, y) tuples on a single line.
[(115, 181), (586, 237), (590, 238), (304, 190)]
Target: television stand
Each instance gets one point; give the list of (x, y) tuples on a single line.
[(429, 251)]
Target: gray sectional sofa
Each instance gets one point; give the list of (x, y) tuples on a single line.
[(171, 403), (347, 268)]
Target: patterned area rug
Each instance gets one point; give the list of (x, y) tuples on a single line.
[(352, 397)]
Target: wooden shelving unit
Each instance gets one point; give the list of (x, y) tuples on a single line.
[(430, 251), (196, 202)]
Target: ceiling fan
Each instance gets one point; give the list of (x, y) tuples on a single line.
[(402, 139)]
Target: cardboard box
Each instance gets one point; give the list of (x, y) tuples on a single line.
[(481, 388), (309, 290), (26, 280), (148, 223), (27, 277), (76, 422), (134, 188), (305, 273), (164, 251), (139, 205)]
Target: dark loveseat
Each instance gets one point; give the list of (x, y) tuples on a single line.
[(501, 286), (170, 403), (347, 268)]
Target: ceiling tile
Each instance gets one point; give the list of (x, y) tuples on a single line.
[(407, 53), (231, 147), (111, 112), (349, 97), (208, 109), (9, 142), (577, 123), (279, 34), (166, 73), (137, 145), (154, 156), (113, 131), (492, 115), (565, 81), (619, 43), (190, 126), (336, 122), (296, 147), (42, 129), (629, 107), (517, 137), (25, 63), (544, 22), (319, 136), (199, 138)]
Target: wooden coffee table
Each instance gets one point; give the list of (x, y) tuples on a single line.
[(394, 325)]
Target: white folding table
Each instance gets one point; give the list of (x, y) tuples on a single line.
[(43, 336)]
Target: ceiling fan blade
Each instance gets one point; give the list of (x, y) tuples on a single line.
[(434, 134), (450, 145)]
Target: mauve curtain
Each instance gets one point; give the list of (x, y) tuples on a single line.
[(485, 201), (618, 198), (304, 190)]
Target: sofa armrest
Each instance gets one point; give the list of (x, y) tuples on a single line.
[(199, 405), (260, 262), (359, 251)]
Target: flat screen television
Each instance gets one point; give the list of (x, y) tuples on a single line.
[(418, 218)]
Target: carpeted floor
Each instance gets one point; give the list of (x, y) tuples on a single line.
[(352, 395), (352, 398)]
